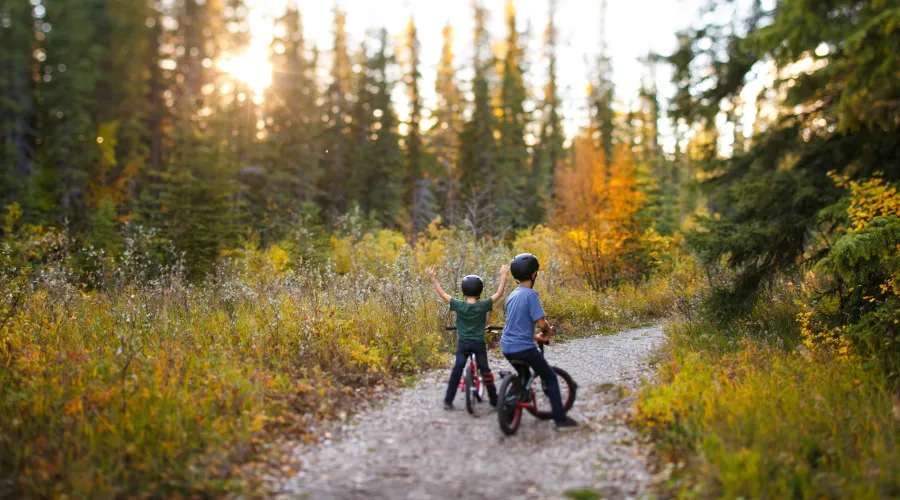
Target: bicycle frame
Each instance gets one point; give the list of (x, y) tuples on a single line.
[(526, 388)]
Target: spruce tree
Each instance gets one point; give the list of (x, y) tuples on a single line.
[(17, 103), (549, 151), (294, 124), (516, 190), (68, 150), (443, 137), (840, 117), (477, 177), (384, 179), (418, 188), (124, 101), (336, 137)]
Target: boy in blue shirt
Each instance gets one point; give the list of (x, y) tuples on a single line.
[(471, 323), (518, 343)]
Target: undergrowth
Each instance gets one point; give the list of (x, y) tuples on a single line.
[(132, 382), (750, 412)]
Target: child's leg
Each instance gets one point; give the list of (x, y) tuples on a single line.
[(481, 360), (543, 369), (456, 374), (536, 361)]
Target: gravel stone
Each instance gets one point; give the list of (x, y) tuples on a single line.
[(410, 447)]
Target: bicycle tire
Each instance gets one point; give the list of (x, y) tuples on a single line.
[(469, 389), (566, 379), (508, 412)]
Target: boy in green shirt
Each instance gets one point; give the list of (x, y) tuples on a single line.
[(471, 322)]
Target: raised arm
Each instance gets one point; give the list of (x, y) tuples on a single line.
[(437, 286), (504, 270)]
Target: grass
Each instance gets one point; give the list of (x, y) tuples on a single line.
[(754, 419), (161, 388)]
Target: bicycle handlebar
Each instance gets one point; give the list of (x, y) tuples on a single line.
[(490, 328)]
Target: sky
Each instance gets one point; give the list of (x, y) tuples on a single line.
[(634, 28)]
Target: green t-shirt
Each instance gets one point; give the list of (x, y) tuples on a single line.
[(471, 318)]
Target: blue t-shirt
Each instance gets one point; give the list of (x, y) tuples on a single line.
[(523, 309)]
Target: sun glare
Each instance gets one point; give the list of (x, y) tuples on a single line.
[(252, 67)]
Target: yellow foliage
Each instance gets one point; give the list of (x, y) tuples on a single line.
[(542, 241), (370, 253), (431, 246), (871, 198), (761, 422)]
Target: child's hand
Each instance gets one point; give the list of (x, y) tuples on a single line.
[(431, 272), (541, 338), (504, 269)]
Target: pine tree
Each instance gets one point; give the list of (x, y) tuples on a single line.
[(602, 97), (336, 140), (477, 179), (293, 115), (419, 197), (384, 182), (361, 128), (68, 151), (191, 198), (549, 152), (443, 137), (123, 101), (513, 169), (840, 117), (17, 105)]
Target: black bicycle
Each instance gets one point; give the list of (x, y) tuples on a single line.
[(472, 383), (517, 393)]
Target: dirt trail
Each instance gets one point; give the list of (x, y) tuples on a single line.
[(409, 447)]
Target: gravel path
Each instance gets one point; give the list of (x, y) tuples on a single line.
[(410, 447)]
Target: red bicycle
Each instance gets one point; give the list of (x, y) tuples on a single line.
[(517, 393), (472, 382)]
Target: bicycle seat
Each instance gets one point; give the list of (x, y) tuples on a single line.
[(518, 362)]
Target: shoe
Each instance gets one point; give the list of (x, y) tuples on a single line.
[(448, 406), (568, 425)]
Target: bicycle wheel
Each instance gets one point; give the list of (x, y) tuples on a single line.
[(567, 390), (469, 389), (508, 412)]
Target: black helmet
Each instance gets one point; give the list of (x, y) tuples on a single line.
[(472, 286), (523, 266)]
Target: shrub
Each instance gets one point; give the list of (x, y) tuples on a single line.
[(751, 419)]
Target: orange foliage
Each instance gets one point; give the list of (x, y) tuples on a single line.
[(596, 207)]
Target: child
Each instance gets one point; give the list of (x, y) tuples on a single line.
[(471, 322), (523, 311)]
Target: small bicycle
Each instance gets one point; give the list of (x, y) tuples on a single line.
[(472, 382), (516, 393)]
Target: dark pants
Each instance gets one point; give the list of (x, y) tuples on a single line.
[(533, 358), (463, 350)]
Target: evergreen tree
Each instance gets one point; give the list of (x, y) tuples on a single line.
[(17, 105), (477, 178), (550, 149), (512, 163), (840, 116), (384, 182), (68, 151), (124, 102), (361, 128), (443, 137), (418, 189), (294, 161), (336, 141), (602, 96)]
